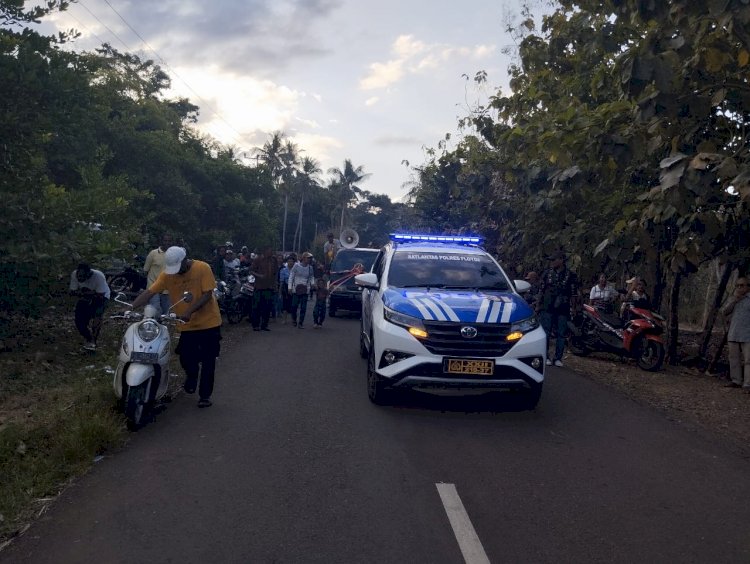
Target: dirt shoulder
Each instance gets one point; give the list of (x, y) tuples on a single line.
[(684, 394)]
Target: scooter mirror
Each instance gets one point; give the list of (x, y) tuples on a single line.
[(187, 297)]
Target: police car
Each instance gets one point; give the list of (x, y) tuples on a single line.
[(439, 313)]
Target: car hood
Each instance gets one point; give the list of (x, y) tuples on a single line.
[(465, 306)]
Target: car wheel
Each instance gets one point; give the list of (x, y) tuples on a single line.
[(532, 396), (376, 388)]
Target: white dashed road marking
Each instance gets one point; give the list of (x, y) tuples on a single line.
[(468, 541)]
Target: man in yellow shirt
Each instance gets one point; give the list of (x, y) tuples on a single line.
[(152, 267), (200, 335)]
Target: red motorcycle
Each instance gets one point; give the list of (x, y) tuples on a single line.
[(637, 335)]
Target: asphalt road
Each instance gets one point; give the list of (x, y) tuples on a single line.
[(294, 464)]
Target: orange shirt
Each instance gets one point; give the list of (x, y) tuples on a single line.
[(197, 280)]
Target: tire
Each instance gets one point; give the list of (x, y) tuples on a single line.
[(532, 396), (376, 388), (119, 283), (650, 354), (577, 346), (136, 406), (362, 347), (234, 313)]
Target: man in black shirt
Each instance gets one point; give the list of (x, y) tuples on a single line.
[(558, 300)]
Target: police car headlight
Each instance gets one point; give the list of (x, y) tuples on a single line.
[(148, 330), (412, 324), (519, 329)]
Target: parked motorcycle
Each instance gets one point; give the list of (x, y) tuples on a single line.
[(126, 278), (142, 373), (235, 296), (638, 335)]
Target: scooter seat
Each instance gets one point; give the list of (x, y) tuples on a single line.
[(612, 319)]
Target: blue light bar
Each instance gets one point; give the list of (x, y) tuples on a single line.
[(460, 239)]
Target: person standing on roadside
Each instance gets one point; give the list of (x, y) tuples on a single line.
[(558, 302), (90, 286), (738, 338), (200, 335), (532, 296), (217, 263), (330, 248), (321, 297), (286, 295), (301, 279), (153, 266), (265, 269)]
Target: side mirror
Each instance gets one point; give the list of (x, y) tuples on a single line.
[(521, 286), (187, 297), (367, 280)]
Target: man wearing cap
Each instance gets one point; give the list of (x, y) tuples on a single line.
[(532, 296), (558, 298), (200, 335)]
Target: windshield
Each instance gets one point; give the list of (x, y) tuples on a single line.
[(436, 270), (347, 258)]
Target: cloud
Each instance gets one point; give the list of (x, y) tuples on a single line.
[(394, 140), (311, 123), (258, 36), (413, 56), (319, 147), (235, 107), (372, 101)]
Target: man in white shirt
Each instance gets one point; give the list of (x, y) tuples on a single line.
[(603, 294), (90, 286), (153, 267)]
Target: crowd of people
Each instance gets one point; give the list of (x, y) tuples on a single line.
[(284, 284), (556, 296)]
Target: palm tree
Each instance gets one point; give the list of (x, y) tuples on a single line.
[(346, 181), (309, 169), (280, 157)]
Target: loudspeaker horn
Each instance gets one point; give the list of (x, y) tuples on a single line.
[(349, 238)]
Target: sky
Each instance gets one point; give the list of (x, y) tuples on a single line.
[(374, 82)]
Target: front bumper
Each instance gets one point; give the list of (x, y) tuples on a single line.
[(521, 367), (346, 299)]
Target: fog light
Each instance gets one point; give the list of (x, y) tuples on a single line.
[(514, 336), (536, 363), (389, 357)]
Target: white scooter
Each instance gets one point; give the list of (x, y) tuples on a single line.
[(142, 374)]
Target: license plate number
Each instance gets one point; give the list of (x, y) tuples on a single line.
[(144, 357), (469, 366)]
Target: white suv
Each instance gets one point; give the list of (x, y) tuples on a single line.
[(439, 313)]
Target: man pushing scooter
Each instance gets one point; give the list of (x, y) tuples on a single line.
[(200, 335)]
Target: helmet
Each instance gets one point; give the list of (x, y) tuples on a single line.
[(228, 245), (243, 249)]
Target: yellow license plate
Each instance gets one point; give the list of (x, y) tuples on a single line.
[(469, 366)]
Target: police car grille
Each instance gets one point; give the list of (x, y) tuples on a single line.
[(444, 338)]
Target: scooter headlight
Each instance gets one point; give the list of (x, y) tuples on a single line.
[(148, 330)]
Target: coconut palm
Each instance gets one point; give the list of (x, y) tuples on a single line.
[(306, 179), (280, 156), (345, 180)]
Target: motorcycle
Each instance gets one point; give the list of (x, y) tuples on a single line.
[(142, 374), (235, 296), (638, 335), (126, 278)]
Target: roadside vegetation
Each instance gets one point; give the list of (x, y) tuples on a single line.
[(623, 139)]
